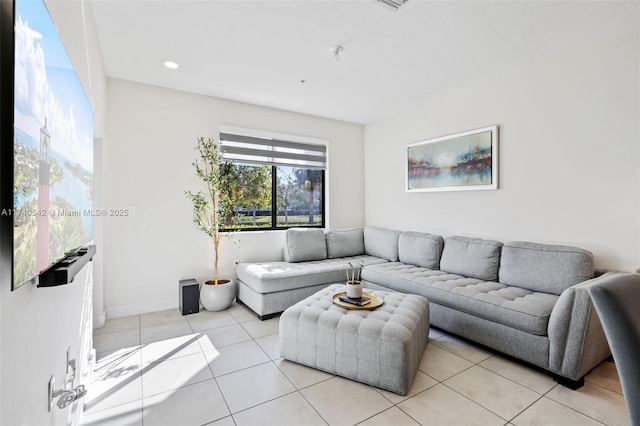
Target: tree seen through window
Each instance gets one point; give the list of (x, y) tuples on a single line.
[(275, 197)]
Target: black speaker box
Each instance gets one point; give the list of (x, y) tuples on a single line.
[(189, 297)]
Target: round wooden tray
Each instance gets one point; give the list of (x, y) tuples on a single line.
[(375, 301)]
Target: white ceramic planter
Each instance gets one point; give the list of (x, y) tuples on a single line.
[(217, 297), (354, 289)]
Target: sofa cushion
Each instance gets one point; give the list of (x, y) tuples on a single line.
[(304, 244), (420, 249), (344, 242), (381, 242), (544, 267), (471, 257), (514, 307)]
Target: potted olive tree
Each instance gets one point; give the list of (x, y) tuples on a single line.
[(212, 214)]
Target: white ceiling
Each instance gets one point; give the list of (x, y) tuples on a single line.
[(259, 51)]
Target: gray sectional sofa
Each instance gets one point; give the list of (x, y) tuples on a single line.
[(530, 301)]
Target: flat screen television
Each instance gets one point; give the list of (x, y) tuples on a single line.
[(52, 144)]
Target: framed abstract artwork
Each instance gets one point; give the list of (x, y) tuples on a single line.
[(460, 162)]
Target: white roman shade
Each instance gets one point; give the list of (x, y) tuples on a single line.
[(271, 151)]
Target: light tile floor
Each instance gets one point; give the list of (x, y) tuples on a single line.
[(223, 368)]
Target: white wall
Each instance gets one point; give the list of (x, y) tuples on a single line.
[(152, 135), (569, 155), (39, 324)]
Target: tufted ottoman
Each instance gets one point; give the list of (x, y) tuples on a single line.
[(381, 347)]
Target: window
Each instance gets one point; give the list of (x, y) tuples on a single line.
[(279, 184)]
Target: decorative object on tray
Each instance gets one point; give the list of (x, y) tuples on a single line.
[(374, 301), (360, 301), (464, 161), (354, 285), (354, 289)]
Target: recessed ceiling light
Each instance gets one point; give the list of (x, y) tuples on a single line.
[(171, 65)]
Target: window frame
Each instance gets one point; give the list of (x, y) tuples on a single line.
[(274, 177), (274, 202)]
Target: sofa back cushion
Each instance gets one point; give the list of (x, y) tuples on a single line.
[(543, 267), (420, 249), (471, 257), (381, 242), (344, 242), (304, 244)]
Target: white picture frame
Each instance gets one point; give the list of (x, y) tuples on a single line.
[(466, 161)]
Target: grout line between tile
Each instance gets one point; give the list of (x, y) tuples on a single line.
[(474, 402), (241, 369), (407, 414), (484, 368), (215, 380), (312, 406), (226, 404), (376, 414), (571, 408), (511, 380), (526, 408), (264, 402)]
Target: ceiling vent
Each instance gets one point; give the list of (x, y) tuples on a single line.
[(392, 4)]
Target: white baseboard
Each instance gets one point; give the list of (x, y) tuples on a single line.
[(99, 319), (142, 307)]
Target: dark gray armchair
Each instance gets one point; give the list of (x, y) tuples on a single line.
[(618, 306)]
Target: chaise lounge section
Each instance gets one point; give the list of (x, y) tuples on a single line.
[(528, 300), (313, 260)]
